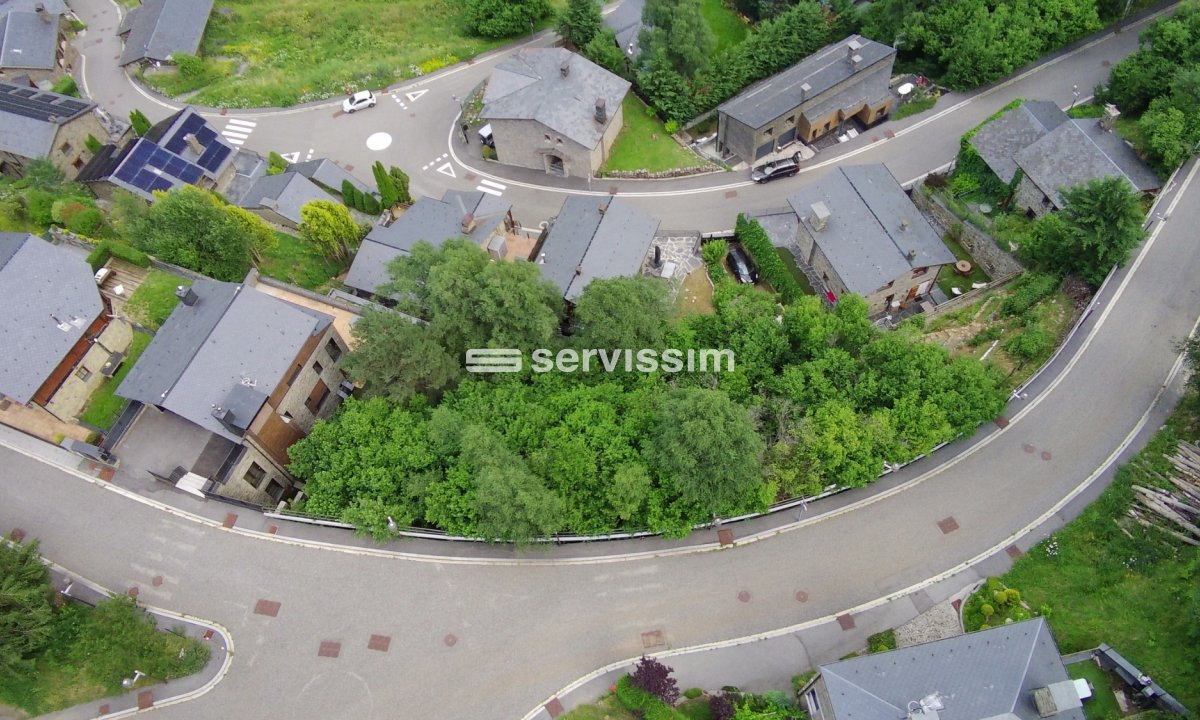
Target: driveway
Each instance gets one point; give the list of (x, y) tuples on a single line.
[(159, 442)]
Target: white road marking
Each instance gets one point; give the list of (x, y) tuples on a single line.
[(246, 123), (415, 95), (310, 154), (447, 169), (235, 134), (290, 157), (496, 185), (234, 141), (488, 190), (379, 141)]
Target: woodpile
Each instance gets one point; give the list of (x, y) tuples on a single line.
[(1175, 512)]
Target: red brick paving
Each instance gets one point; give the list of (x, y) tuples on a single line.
[(208, 634), (1013, 551), (555, 707), (145, 700), (654, 638), (956, 604), (613, 190), (1001, 422), (1028, 448), (731, 194), (801, 596), (106, 474), (17, 535), (469, 177), (725, 537), (380, 643), (230, 520), (273, 529), (349, 168), (450, 640), (329, 649), (157, 581), (889, 134), (133, 592), (103, 710), (744, 596), (846, 621), (947, 525), (1046, 455), (270, 608)]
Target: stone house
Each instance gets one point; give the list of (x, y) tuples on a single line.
[(481, 217), (60, 342), (554, 111), (36, 124), (594, 238), (1013, 672), (252, 372), (840, 82), (158, 29), (279, 198), (1044, 151), (33, 41), (858, 232), (183, 149)]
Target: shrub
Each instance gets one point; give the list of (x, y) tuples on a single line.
[(721, 707), (93, 145), (139, 121), (671, 127), (370, 204), (630, 695), (692, 693), (39, 206), (489, 153), (770, 267), (107, 249), (63, 210), (655, 678), (85, 222), (276, 164), (1029, 290), (190, 66), (65, 86), (988, 334), (349, 194), (1014, 595), (714, 251), (987, 610), (1000, 596)]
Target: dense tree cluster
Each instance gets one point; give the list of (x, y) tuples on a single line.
[(503, 18), (816, 398)]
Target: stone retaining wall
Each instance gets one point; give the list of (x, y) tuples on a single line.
[(983, 248)]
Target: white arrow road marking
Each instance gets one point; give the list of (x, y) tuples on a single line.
[(291, 157), (447, 170), (412, 96)]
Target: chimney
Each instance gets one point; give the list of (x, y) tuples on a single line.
[(819, 219), (565, 68), (187, 295), (1111, 113), (603, 208), (903, 224), (855, 62), (468, 224), (40, 9), (805, 89), (52, 119), (853, 47), (194, 143), (226, 418), (912, 254), (601, 111), (657, 256)]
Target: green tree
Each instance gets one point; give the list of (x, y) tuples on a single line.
[(625, 312), (349, 195), (400, 180), (194, 228), (1104, 223), (388, 195), (629, 490), (276, 164), (511, 502), (26, 615), (678, 30), (259, 235), (602, 49), (328, 227), (139, 121), (503, 18), (580, 21), (704, 445), (397, 358)]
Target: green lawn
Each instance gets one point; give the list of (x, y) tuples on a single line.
[(301, 50), (1102, 705), (728, 28), (644, 144), (104, 407), (170, 81), (914, 107), (948, 278), (151, 304), (294, 261)]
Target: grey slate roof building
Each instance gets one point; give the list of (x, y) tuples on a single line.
[(428, 220), (28, 39), (157, 29), (30, 119), (873, 233), (280, 197), (225, 348), (626, 23), (986, 675), (1078, 151), (591, 239), (327, 174), (50, 299), (847, 79), (1000, 140)]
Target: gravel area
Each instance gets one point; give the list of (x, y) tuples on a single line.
[(936, 623)]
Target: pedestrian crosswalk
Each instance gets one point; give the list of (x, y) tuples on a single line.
[(491, 188), (236, 131)]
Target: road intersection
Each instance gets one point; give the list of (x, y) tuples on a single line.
[(492, 637)]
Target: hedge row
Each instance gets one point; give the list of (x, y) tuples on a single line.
[(638, 700), (762, 251), (106, 249)]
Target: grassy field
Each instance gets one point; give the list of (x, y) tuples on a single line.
[(1103, 704), (696, 295), (301, 50), (914, 107), (728, 28), (151, 304), (104, 407), (294, 261), (644, 144)]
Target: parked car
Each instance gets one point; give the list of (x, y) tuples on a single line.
[(358, 101), (785, 167), (740, 265)]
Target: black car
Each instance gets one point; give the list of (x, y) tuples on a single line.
[(740, 266), (785, 167)]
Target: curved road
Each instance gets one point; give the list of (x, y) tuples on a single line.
[(522, 630)]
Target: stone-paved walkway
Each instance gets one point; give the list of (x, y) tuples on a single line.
[(683, 251), (936, 623)]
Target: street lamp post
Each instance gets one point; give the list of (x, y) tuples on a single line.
[(1075, 92), (128, 683)]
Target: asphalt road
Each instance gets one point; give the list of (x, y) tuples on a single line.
[(521, 631)]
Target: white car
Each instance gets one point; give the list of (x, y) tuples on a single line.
[(358, 101)]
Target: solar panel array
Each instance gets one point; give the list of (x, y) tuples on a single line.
[(149, 168), (31, 103), (214, 152)]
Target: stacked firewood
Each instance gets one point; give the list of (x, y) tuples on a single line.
[(1175, 512)]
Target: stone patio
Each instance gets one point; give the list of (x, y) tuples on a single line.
[(937, 623)]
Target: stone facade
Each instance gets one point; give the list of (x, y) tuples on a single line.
[(995, 261), (69, 153), (73, 395), (66, 57), (1032, 199), (530, 144)]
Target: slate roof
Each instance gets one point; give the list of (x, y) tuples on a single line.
[(626, 22), (607, 244), (50, 298), (998, 141), (767, 99), (29, 118), (27, 42), (529, 86), (284, 193), (158, 28), (1079, 151), (986, 674), (863, 240), (54, 7), (428, 220), (326, 172), (229, 350)]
